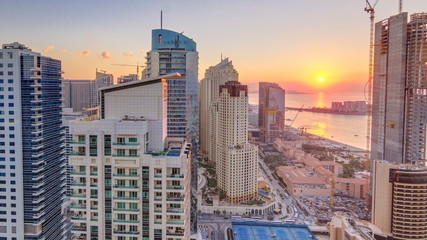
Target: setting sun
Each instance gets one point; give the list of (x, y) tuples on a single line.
[(321, 79)]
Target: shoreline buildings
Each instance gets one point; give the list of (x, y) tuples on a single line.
[(236, 159), (173, 52), (271, 111), (399, 115), (32, 152), (130, 181), (209, 93)]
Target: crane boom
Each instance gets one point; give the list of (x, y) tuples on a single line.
[(131, 65), (371, 10)]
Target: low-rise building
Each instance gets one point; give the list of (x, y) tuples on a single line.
[(300, 182)]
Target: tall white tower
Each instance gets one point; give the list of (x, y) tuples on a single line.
[(236, 159), (209, 93)]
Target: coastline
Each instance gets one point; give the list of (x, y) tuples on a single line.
[(330, 143)]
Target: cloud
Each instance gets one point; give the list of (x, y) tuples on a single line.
[(129, 54), (46, 50), (63, 50), (105, 55), (85, 53)]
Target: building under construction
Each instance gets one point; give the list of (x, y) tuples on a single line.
[(271, 111), (399, 108)]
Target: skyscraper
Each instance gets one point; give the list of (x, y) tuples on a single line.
[(271, 111), (236, 159), (399, 196), (172, 52), (32, 151), (129, 180), (209, 94), (399, 115)]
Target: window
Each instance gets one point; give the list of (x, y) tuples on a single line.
[(10, 89), (10, 65), (10, 73), (121, 205), (121, 216), (10, 54), (133, 140), (10, 81)]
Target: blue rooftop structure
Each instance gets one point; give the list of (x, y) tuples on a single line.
[(167, 39), (273, 231)]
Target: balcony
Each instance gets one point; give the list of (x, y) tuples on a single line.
[(78, 218), (126, 198), (125, 232), (78, 207), (124, 155), (126, 144), (77, 142), (126, 210), (175, 222), (77, 173), (176, 176), (174, 234), (77, 154), (175, 199), (78, 228), (125, 221), (175, 187), (158, 175), (78, 195), (175, 210), (123, 186), (78, 184), (126, 175)]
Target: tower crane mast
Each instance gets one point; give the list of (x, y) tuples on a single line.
[(370, 8)]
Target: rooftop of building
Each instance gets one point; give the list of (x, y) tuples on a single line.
[(297, 175), (168, 39), (144, 81), (266, 231)]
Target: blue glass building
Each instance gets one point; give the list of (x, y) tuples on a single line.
[(33, 167), (173, 52)]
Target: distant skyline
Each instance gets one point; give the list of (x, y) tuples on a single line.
[(307, 46)]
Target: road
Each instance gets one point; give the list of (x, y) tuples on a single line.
[(213, 225)]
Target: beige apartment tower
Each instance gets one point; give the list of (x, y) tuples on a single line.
[(215, 76), (399, 200), (236, 159), (130, 181)]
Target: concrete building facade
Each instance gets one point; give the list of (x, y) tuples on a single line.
[(215, 76), (399, 115), (236, 159), (76, 94), (32, 146), (130, 181), (271, 111)]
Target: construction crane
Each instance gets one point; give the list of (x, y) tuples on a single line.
[(293, 120), (369, 8), (131, 65)]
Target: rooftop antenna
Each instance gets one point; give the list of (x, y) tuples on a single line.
[(161, 19), (221, 57), (400, 6)]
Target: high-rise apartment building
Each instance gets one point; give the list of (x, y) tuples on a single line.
[(399, 109), (32, 146), (271, 111), (215, 76), (76, 94), (236, 159), (399, 198), (173, 52), (129, 180), (102, 79)]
